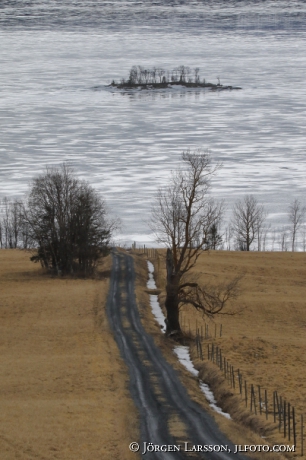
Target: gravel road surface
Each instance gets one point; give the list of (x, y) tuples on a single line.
[(155, 386)]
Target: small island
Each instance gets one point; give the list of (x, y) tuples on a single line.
[(158, 78)]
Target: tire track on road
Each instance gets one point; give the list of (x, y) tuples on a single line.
[(154, 384)]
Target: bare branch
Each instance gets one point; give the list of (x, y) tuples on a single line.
[(247, 222), (296, 217), (185, 218)]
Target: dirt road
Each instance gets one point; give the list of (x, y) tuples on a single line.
[(155, 386)]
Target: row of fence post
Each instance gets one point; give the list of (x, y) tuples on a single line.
[(255, 397), (283, 412), (151, 253), (202, 331)]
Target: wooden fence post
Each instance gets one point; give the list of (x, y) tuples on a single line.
[(280, 413), (302, 436), (285, 407), (240, 381), (293, 426), (259, 400), (253, 398), (289, 424)]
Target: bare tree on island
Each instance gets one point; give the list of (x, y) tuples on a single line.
[(182, 217)]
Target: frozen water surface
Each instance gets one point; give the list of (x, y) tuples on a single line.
[(56, 56)]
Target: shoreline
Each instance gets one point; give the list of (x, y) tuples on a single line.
[(171, 85)]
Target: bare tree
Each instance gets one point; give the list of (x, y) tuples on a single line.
[(10, 223), (197, 75), (304, 240), (1, 230), (214, 239), (182, 216), (283, 240), (247, 221), (228, 236), (296, 217), (67, 222)]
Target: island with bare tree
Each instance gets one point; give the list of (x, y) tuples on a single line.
[(158, 78)]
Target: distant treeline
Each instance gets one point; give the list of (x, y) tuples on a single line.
[(14, 231), (245, 230), (158, 77)]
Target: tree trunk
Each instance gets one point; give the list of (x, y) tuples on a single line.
[(172, 298)]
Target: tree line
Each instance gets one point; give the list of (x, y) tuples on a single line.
[(187, 220), (63, 218), (248, 229), (66, 222), (139, 75)]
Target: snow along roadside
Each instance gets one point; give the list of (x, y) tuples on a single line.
[(181, 351)]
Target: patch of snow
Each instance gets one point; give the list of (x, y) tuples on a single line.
[(183, 355), (181, 351), (212, 402), (156, 310), (151, 283)]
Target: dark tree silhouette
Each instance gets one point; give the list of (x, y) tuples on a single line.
[(67, 222), (182, 218), (247, 221)]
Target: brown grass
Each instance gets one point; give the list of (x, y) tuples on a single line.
[(267, 340), (63, 388)]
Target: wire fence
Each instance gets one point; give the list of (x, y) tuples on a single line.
[(258, 400)]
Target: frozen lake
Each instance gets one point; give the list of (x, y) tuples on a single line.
[(57, 55)]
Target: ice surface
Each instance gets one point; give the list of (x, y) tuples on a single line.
[(57, 56)]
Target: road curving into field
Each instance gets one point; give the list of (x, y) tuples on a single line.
[(154, 384)]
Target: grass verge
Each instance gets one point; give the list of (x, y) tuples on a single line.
[(64, 387), (265, 341)]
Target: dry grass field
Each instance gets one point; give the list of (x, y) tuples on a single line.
[(63, 386), (267, 340)]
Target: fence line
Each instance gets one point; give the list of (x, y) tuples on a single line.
[(258, 401), (283, 412)]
